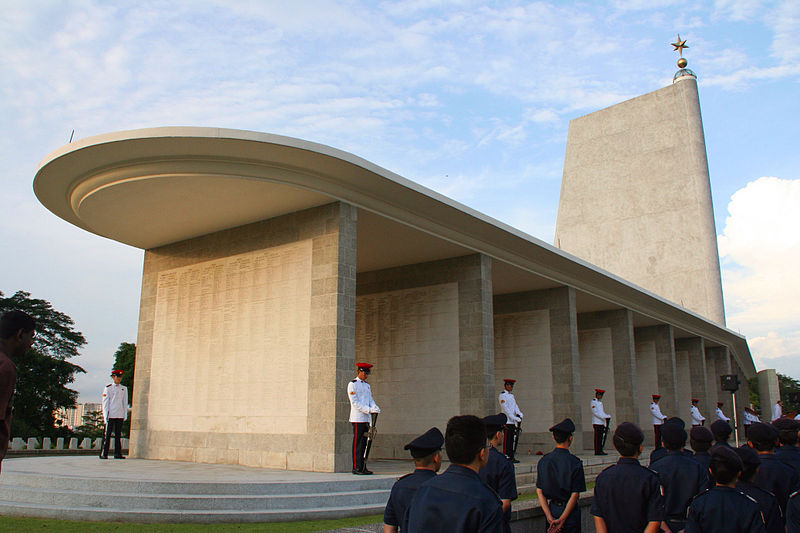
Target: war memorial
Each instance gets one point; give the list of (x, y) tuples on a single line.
[(273, 264)]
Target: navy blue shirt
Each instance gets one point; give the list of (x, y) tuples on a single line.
[(777, 478), (455, 501), (789, 455), (627, 496), (793, 513), (724, 510), (660, 453), (499, 474), (682, 478), (704, 458), (402, 493), (767, 502), (559, 474)]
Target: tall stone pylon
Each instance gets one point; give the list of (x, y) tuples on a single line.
[(636, 196)]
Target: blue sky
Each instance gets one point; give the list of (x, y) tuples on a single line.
[(472, 99)]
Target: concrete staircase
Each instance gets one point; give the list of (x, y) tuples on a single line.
[(66, 498)]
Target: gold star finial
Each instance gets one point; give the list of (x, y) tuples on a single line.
[(679, 45)]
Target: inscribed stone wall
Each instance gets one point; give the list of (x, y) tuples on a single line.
[(231, 337), (522, 352), (411, 336), (597, 372), (647, 379)]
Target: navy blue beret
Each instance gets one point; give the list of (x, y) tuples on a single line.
[(427, 443)]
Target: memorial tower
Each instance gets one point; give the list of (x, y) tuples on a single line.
[(636, 195)]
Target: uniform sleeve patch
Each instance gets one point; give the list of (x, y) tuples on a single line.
[(352, 392), (502, 401)]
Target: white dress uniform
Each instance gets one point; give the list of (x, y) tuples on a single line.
[(599, 415), (655, 411), (115, 402), (777, 411), (721, 415), (508, 404), (750, 418), (694, 414), (361, 402)]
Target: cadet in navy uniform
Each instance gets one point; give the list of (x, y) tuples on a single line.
[(427, 453), (793, 513), (659, 453), (682, 477), (600, 421), (722, 432), (508, 404), (723, 509), (700, 439), (766, 501), (628, 496), (499, 474), (115, 412), (361, 407), (788, 452), (457, 500), (560, 480), (773, 476)]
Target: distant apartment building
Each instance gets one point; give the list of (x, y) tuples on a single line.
[(73, 418)]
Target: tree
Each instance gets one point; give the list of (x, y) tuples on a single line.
[(93, 425), (125, 359), (43, 373), (790, 393)]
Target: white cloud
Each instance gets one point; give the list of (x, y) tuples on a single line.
[(760, 248)]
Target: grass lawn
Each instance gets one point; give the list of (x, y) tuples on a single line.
[(37, 524)]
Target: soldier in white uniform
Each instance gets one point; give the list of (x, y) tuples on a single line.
[(720, 414), (361, 407), (508, 404), (599, 421), (658, 419), (777, 410), (694, 414), (750, 417), (115, 412)]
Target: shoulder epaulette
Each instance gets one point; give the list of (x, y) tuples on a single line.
[(109, 385), (354, 381), (700, 494), (795, 493), (749, 497)]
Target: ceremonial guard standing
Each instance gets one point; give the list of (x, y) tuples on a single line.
[(600, 421), (115, 412), (720, 414), (658, 419), (777, 410), (499, 474), (427, 453), (560, 480), (362, 406), (508, 404), (694, 414)]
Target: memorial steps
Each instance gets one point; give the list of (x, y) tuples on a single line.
[(136, 490)]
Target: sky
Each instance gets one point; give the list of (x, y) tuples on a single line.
[(471, 99)]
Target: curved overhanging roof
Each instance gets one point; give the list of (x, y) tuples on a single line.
[(152, 187)]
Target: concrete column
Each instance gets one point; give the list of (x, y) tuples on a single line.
[(684, 379), (698, 378), (660, 340), (540, 330), (720, 358), (619, 329), (428, 328), (712, 379), (742, 396), (769, 391)]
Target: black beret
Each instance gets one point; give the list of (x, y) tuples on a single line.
[(761, 432), (629, 433), (676, 420), (427, 443), (701, 434), (782, 424), (748, 456), (721, 429), (496, 422), (565, 426), (673, 435), (729, 457)]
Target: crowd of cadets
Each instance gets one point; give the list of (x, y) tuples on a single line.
[(712, 487)]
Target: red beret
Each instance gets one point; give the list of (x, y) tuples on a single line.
[(117, 372), (656, 396), (695, 400), (600, 391), (512, 381), (363, 365)]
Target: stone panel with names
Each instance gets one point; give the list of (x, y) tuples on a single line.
[(231, 344)]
